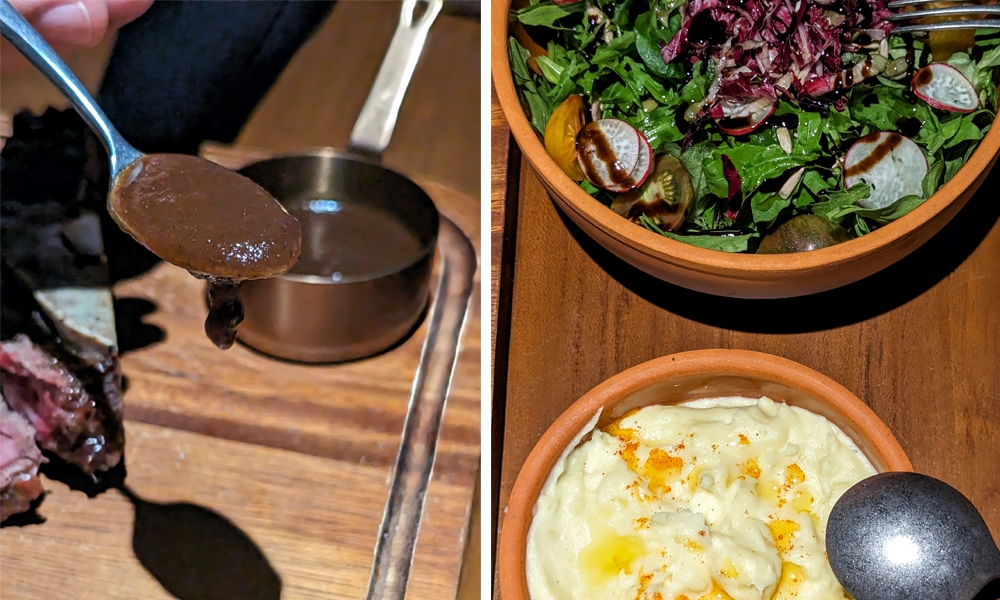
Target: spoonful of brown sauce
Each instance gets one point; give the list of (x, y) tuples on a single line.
[(205, 218), (209, 220), (217, 224)]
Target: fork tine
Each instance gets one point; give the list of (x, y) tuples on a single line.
[(946, 11), (901, 3), (980, 24)]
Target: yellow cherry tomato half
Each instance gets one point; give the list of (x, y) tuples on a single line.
[(560, 135), (949, 41)]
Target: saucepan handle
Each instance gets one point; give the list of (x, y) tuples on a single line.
[(373, 129)]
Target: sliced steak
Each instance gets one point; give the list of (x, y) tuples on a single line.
[(54, 401), (19, 461)]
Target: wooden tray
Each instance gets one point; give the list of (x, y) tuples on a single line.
[(298, 458), (918, 342)]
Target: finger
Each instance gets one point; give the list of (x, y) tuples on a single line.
[(69, 24)]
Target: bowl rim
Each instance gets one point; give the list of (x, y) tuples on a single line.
[(703, 260), (535, 471)]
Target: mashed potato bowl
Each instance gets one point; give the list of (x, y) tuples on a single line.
[(612, 408)]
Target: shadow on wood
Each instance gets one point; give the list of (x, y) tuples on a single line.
[(28, 517), (197, 554), (133, 332), (877, 294)]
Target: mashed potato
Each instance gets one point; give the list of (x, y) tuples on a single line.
[(723, 499)]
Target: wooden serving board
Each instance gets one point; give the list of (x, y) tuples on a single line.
[(918, 342), (297, 458)]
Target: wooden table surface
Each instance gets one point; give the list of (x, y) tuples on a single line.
[(296, 457), (919, 342)]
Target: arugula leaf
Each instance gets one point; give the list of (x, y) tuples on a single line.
[(546, 14), (694, 90), (967, 130), (757, 164), (519, 61), (659, 126), (618, 47), (932, 179), (892, 212), (550, 70), (814, 182), (538, 109), (766, 208), (694, 160), (646, 43), (841, 203), (809, 130), (962, 62), (670, 149), (647, 82), (951, 168), (736, 243)]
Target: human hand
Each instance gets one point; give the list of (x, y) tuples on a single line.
[(71, 25)]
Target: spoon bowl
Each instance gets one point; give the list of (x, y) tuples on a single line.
[(906, 536)]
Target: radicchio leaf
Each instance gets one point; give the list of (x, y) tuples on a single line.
[(776, 48), (735, 184)]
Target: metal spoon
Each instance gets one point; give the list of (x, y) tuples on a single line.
[(122, 156), (906, 536)]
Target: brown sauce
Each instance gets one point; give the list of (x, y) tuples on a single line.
[(923, 77), (225, 313), (845, 79), (595, 145), (887, 145), (351, 240), (206, 218)]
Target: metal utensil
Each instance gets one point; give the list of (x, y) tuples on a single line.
[(122, 157), (960, 9), (906, 536)]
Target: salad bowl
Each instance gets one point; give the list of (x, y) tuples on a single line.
[(724, 273)]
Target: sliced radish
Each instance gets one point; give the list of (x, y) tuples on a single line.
[(642, 168), (614, 155), (892, 165), (943, 86), (747, 118)]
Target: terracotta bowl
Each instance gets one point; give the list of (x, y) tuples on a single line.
[(678, 378), (723, 273)]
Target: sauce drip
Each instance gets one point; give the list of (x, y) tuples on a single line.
[(225, 313), (206, 218)]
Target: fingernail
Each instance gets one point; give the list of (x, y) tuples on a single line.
[(69, 23)]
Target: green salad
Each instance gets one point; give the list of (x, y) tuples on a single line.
[(758, 126)]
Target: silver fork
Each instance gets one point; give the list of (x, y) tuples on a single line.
[(961, 9)]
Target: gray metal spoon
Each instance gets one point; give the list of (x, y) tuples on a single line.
[(219, 225), (906, 536)]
